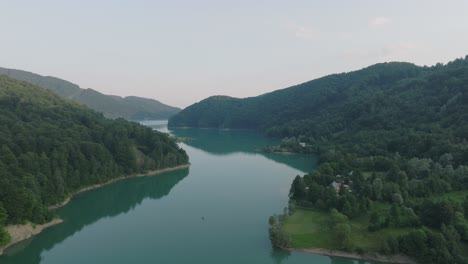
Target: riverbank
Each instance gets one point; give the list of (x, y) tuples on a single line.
[(397, 259), (19, 233), (95, 186)]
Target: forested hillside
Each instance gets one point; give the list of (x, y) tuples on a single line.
[(392, 142), (385, 108), (130, 107), (299, 102), (50, 147)]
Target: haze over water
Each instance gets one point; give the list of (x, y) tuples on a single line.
[(214, 212)]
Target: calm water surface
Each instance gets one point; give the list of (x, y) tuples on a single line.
[(214, 212)]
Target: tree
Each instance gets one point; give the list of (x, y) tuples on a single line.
[(377, 187), (374, 222), (298, 189), (395, 215), (343, 236), (278, 236), (3, 215), (397, 199), (339, 226), (4, 236), (347, 210), (446, 159), (272, 220)]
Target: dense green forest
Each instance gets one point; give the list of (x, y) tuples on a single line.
[(385, 108), (396, 133), (130, 107), (51, 147)]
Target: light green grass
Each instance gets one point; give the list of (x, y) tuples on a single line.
[(309, 228), (458, 196)]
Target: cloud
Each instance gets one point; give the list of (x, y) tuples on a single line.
[(301, 31), (379, 21), (306, 33)]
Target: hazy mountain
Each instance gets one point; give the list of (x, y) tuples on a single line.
[(131, 107)]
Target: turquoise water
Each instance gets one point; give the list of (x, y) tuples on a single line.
[(214, 212)]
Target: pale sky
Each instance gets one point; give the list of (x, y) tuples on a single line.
[(180, 52)]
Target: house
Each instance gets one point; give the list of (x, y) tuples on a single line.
[(337, 184)]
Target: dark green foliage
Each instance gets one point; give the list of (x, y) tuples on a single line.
[(50, 147), (432, 247), (340, 227), (436, 214), (400, 204), (379, 110), (374, 222), (130, 107), (298, 189), (278, 237)]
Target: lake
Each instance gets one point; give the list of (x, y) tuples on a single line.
[(214, 212)]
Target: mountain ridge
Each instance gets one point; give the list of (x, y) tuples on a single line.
[(377, 110), (112, 106)]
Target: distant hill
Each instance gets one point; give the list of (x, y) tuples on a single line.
[(300, 102), (384, 108), (131, 107)]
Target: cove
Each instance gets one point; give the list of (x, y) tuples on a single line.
[(216, 211)]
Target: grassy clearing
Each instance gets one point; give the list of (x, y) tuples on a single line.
[(309, 229), (458, 196)]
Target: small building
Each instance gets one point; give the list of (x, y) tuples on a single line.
[(337, 184), (338, 179)]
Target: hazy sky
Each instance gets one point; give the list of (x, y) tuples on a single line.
[(180, 52)]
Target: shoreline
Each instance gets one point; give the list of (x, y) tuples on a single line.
[(95, 186), (19, 233), (284, 153), (397, 259)]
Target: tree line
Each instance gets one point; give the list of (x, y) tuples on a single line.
[(51, 147), (394, 192)]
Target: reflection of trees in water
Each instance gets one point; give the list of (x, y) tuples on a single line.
[(223, 142), (279, 255), (108, 201), (342, 261), (217, 141)]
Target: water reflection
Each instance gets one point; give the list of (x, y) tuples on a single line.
[(224, 142), (83, 210), (280, 255)]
